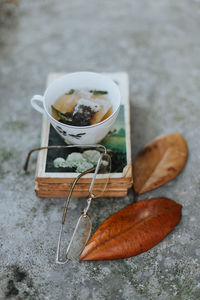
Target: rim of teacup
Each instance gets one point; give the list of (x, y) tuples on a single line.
[(88, 126)]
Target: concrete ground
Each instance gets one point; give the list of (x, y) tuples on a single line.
[(158, 44)]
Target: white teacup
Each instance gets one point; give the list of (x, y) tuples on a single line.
[(80, 80)]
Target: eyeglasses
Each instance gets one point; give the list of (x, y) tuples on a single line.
[(97, 185), (83, 226)]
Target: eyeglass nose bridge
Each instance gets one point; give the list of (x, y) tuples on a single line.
[(85, 211)]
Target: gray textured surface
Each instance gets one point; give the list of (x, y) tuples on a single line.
[(158, 44)]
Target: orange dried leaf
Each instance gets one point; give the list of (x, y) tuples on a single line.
[(159, 162), (133, 230)]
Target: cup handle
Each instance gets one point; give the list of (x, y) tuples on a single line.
[(36, 105)]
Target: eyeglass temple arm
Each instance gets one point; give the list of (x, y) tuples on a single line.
[(74, 183), (57, 147), (38, 149), (71, 191)]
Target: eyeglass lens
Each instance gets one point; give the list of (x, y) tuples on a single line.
[(80, 237)]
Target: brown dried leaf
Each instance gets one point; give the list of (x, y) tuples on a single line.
[(133, 230), (160, 161)]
